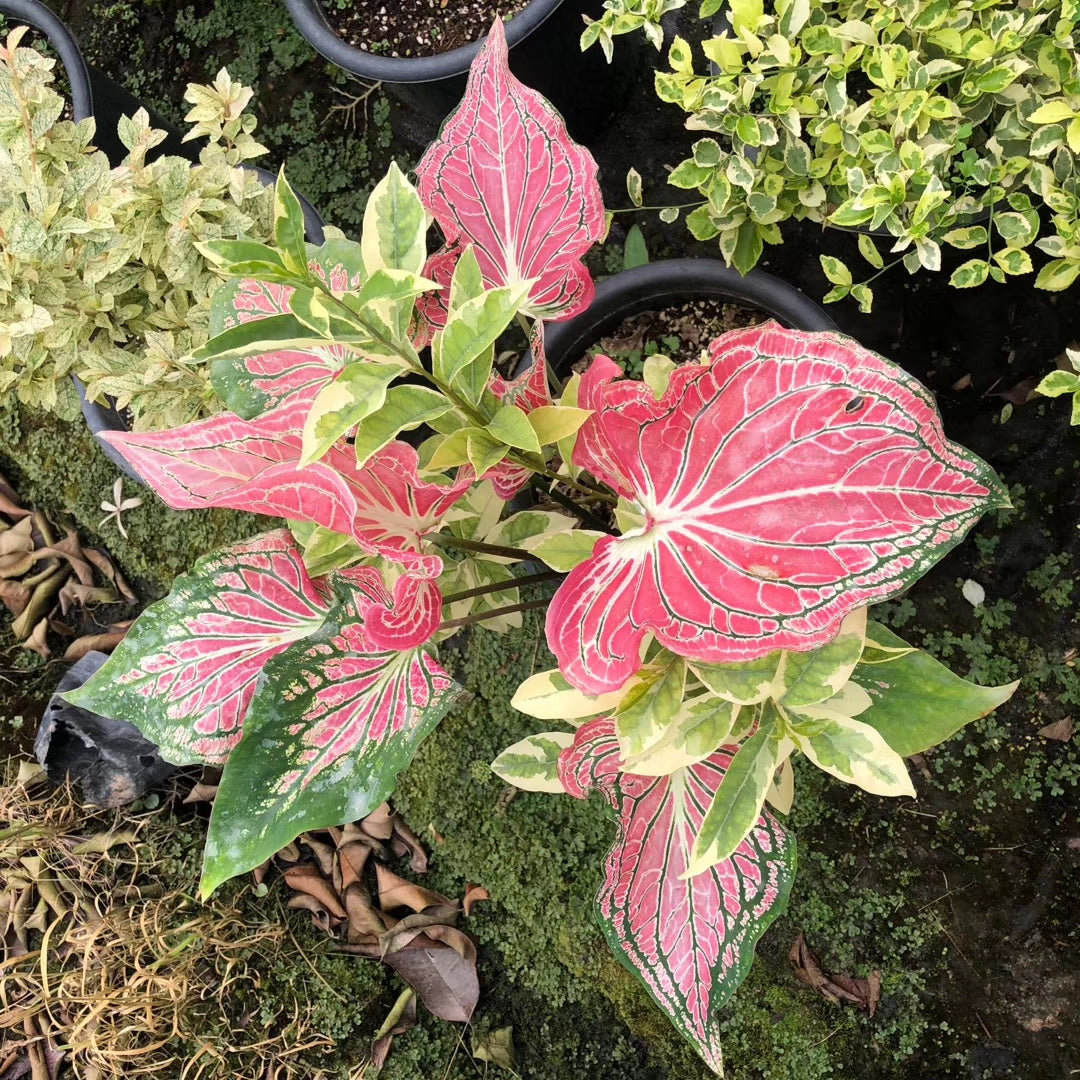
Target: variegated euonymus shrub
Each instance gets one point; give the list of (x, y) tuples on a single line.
[(935, 123), (746, 509), (99, 273)]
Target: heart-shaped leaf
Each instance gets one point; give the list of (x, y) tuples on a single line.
[(690, 941), (795, 478), (505, 177)]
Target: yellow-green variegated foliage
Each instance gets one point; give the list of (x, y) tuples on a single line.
[(855, 707), (99, 273)]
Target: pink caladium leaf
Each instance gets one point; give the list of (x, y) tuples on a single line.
[(505, 176), (690, 941), (250, 465), (187, 670), (395, 509), (334, 721), (255, 385), (795, 477), (254, 466), (528, 391)]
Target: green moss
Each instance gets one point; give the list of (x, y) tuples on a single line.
[(59, 468)]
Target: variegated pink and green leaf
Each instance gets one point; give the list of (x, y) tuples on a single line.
[(255, 466), (333, 723), (812, 477), (253, 385), (690, 941), (187, 670), (505, 177)]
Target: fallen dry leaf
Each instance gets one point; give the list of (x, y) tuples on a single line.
[(36, 641), (93, 643), (1060, 730), (863, 993), (473, 895), (496, 1047)]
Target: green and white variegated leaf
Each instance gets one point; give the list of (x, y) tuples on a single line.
[(645, 713), (475, 514), (917, 702), (564, 550), (781, 793), (528, 529), (533, 763), (405, 408), (877, 649), (329, 729), (548, 696), (289, 226), (746, 683), (395, 226), (739, 799), (461, 352), (807, 677), (701, 726), (854, 752)]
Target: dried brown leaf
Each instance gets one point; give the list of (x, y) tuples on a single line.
[(307, 879), (1060, 730), (94, 643), (320, 916), (379, 823), (14, 595), (473, 895), (863, 993), (395, 892), (445, 981), (406, 842), (36, 641), (108, 569)]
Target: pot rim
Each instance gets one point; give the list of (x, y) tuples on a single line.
[(311, 21), (655, 286)]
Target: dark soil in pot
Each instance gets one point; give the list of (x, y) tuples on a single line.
[(408, 28), (678, 332)]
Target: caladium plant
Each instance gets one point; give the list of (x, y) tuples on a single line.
[(711, 620)]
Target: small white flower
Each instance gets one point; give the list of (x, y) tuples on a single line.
[(118, 506), (973, 592)]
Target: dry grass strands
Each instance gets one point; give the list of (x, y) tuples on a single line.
[(99, 961)]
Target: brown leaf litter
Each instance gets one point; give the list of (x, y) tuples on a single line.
[(863, 993), (45, 578)]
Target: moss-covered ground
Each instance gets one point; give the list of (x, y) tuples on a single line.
[(965, 901)]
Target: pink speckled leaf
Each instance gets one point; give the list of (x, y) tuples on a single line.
[(333, 723), (505, 176), (691, 942), (794, 478), (186, 671)]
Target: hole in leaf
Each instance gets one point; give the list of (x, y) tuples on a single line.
[(855, 404)]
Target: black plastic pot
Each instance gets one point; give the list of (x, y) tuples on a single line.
[(661, 285), (544, 54)]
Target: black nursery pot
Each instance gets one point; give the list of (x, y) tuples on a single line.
[(544, 54), (661, 285), (94, 94)]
